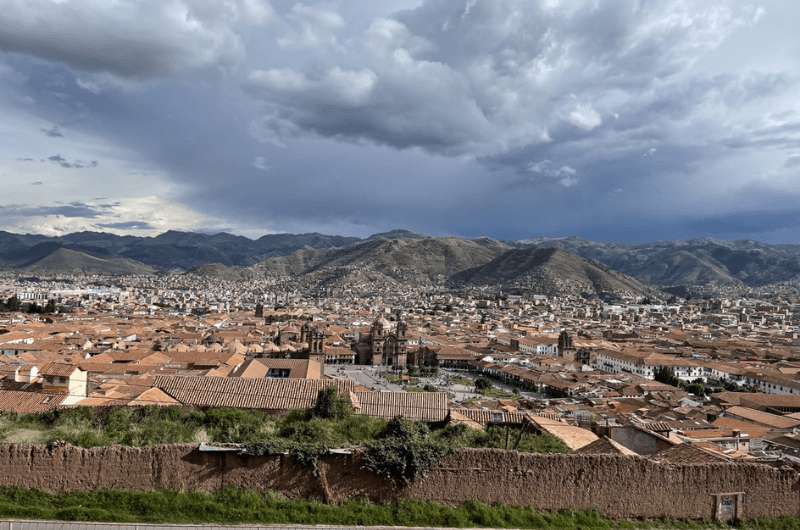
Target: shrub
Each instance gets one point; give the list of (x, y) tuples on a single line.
[(404, 452), (331, 405), (237, 425), (482, 384)]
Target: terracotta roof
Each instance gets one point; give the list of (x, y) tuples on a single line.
[(605, 446), (487, 417), (690, 454), (23, 402), (117, 369), (455, 353), (763, 418), (573, 437), (298, 368), (337, 351), (421, 406), (269, 394), (153, 396), (753, 430), (55, 369)]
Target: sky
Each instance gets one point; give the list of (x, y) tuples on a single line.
[(624, 120)]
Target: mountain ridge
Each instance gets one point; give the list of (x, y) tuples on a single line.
[(404, 256), (551, 271)]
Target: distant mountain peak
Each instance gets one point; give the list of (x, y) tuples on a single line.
[(398, 233)]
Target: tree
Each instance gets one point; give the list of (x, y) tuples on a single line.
[(50, 307), (665, 375), (332, 405), (698, 389), (404, 451), (13, 304), (482, 384)]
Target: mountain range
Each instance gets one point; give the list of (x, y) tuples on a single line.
[(403, 257)]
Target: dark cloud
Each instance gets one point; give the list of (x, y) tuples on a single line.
[(71, 164), (746, 224), (130, 38), (612, 120), (53, 132), (481, 77), (74, 209), (127, 225)]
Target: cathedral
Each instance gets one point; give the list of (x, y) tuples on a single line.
[(382, 346), (315, 338)]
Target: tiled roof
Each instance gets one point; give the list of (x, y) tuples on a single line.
[(58, 369), (486, 417), (762, 418), (421, 406), (573, 437), (269, 394), (690, 454), (23, 402), (605, 446)]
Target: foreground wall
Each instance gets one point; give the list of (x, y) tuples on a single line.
[(617, 486)]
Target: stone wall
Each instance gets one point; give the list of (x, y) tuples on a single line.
[(617, 486)]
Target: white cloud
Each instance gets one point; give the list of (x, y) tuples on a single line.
[(147, 215), (564, 175), (484, 78), (585, 117), (261, 162), (310, 27)]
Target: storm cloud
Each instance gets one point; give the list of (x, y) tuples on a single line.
[(613, 120)]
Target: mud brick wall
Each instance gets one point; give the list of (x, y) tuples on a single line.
[(618, 486)]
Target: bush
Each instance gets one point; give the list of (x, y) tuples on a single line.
[(404, 451), (501, 438), (482, 384), (331, 405), (237, 425)]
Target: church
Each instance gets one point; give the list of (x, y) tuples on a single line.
[(382, 345)]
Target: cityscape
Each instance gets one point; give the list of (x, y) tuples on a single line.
[(569, 358), (521, 264)]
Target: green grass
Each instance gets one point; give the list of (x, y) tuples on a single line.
[(233, 506), (460, 380), (142, 426), (497, 393), (501, 438)]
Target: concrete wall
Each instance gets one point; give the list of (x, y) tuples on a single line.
[(617, 486)]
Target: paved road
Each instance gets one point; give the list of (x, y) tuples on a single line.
[(58, 525), (367, 376), (374, 378)]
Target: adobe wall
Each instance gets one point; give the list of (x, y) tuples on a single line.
[(617, 486)]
